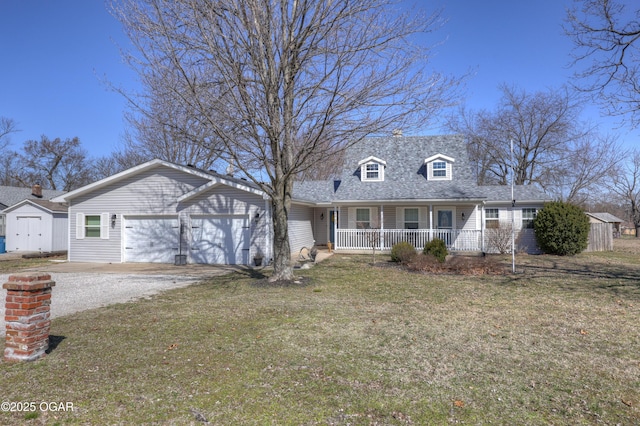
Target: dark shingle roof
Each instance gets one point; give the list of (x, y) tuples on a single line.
[(405, 174), (10, 195)]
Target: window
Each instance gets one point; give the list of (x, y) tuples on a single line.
[(411, 218), (92, 226), (363, 218), (372, 171), (439, 169), (528, 215), (491, 219)]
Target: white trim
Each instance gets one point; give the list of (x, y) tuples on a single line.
[(372, 159), (435, 157), (143, 167)]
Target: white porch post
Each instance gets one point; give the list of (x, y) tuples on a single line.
[(430, 222), (482, 223), (381, 228)]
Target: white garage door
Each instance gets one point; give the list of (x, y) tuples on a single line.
[(151, 239), (220, 240)]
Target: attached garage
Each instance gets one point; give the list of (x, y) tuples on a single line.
[(154, 239), (222, 239)]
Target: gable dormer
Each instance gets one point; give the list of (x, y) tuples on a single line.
[(372, 169), (439, 167)]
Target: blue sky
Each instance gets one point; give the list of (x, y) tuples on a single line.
[(55, 54)]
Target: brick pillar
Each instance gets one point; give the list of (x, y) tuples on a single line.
[(27, 316)]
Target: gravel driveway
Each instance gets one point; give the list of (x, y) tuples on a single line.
[(77, 291)]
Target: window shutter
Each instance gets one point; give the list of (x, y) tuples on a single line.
[(104, 226), (399, 217), (79, 226), (374, 218)]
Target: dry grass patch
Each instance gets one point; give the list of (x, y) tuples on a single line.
[(555, 343)]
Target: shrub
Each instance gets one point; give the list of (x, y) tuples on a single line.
[(436, 248), (425, 263), (561, 229), (402, 252)]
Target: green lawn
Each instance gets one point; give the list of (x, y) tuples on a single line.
[(556, 343)]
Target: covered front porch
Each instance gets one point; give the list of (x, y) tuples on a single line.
[(364, 227), (385, 239)]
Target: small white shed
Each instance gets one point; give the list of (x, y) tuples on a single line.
[(37, 226)]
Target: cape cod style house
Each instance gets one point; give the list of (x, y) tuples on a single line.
[(390, 190), (415, 189)]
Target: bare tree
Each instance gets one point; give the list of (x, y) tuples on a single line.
[(606, 35), (164, 127), (552, 148), (626, 184), (7, 126), (54, 163), (282, 83)]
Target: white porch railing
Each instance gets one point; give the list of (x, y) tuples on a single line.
[(384, 239)]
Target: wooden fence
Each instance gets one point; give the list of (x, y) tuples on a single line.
[(600, 237)]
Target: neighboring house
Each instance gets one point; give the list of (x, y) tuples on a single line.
[(37, 225), (415, 189), (409, 188), (12, 195), (616, 223)]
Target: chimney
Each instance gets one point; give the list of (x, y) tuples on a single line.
[(36, 190)]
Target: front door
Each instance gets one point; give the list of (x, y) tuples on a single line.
[(445, 219)]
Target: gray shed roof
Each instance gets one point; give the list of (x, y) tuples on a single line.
[(405, 175), (605, 217), (10, 195)]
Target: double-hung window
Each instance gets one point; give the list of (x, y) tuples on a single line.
[(491, 219), (363, 218), (439, 169), (372, 171), (411, 218), (528, 215), (92, 226)]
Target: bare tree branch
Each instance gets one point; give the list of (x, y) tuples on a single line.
[(281, 84), (606, 36)]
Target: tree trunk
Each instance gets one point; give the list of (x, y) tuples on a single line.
[(281, 204)]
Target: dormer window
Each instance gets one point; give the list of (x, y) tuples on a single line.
[(372, 169), (439, 167)]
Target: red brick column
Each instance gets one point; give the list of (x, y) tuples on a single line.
[(27, 316)]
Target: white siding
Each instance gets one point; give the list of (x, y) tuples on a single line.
[(300, 228), (151, 192)]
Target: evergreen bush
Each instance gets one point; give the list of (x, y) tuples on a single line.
[(436, 248), (402, 252), (561, 229)]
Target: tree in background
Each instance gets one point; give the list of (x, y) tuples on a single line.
[(551, 147), (167, 128), (606, 35), (281, 84), (626, 185), (7, 156), (54, 163)]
